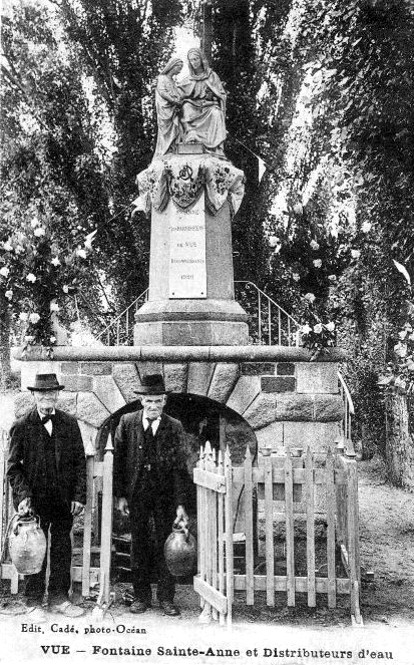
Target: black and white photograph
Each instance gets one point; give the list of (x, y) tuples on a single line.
[(207, 332)]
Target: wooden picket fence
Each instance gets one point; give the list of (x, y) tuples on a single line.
[(289, 490), (97, 524)]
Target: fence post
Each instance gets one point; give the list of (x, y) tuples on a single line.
[(330, 544), (310, 527), (87, 525), (248, 493), (229, 536), (270, 549), (290, 538), (220, 534), (353, 537), (106, 538)]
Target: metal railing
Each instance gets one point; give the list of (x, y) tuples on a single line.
[(120, 331), (269, 323), (346, 424)]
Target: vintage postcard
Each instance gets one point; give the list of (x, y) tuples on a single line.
[(206, 335)]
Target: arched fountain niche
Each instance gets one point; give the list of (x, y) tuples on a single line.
[(203, 420)]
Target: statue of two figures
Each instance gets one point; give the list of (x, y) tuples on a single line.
[(191, 111)]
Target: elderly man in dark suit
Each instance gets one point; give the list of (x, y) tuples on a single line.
[(47, 473), (149, 483)]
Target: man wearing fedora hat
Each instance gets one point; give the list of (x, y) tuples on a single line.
[(47, 473), (149, 483)]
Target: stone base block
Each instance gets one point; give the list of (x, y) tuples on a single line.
[(191, 333)]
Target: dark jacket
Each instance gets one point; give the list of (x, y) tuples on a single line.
[(26, 463), (129, 457)]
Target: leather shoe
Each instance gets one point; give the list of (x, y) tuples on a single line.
[(139, 606), (169, 609), (68, 609)]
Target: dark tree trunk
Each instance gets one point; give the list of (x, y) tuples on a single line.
[(400, 440)]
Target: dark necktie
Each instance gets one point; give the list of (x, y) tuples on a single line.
[(45, 419), (150, 421)]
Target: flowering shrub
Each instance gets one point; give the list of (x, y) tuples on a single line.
[(316, 335), (37, 271)]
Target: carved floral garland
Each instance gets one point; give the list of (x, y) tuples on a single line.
[(183, 182)]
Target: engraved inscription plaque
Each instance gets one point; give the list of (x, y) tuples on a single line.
[(188, 275)]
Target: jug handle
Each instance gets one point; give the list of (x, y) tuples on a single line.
[(15, 527), (181, 528)]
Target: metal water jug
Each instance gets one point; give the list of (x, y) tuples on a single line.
[(180, 552), (27, 544)]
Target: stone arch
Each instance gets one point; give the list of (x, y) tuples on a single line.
[(203, 420), (286, 404), (192, 410)]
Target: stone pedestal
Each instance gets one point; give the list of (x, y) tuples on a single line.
[(191, 286)]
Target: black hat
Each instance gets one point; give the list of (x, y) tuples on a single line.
[(152, 384), (45, 382)]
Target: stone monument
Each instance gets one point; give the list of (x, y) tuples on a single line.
[(193, 192)]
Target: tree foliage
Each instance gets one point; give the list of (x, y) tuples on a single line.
[(78, 125)]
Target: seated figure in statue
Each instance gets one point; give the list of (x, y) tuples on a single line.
[(168, 104), (203, 104)]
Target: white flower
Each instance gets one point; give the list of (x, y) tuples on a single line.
[(19, 249), (55, 261), (23, 316), (314, 245), (54, 307), (65, 288), (318, 328), (9, 294), (402, 334), (273, 241), (34, 317), (296, 276), (355, 253), (330, 326), (332, 278), (305, 329), (81, 253), (7, 246), (401, 350), (35, 222), (366, 227), (310, 297), (317, 263), (31, 278), (39, 231), (29, 338), (52, 339), (4, 271)]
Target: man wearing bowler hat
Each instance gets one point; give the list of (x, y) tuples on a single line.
[(149, 483), (47, 473)]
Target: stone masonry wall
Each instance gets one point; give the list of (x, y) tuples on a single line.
[(287, 404)]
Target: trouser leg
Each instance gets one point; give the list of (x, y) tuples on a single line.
[(141, 556), (60, 556)]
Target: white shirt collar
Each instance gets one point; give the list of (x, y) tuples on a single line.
[(42, 415), (154, 424)]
